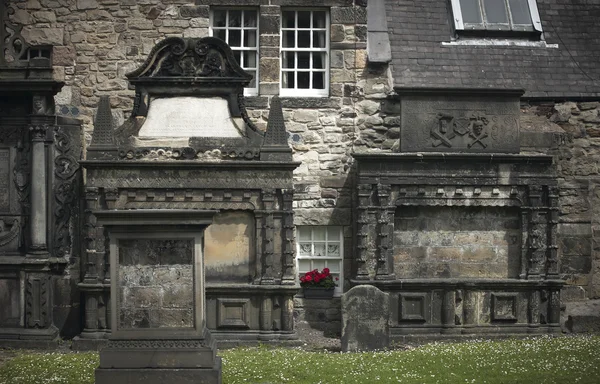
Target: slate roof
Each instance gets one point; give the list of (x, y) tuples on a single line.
[(418, 28)]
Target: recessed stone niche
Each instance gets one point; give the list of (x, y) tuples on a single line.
[(10, 313), (450, 242), (229, 247), (156, 283)]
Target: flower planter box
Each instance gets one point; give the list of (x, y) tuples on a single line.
[(318, 293)]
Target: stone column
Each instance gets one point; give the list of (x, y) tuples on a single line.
[(449, 311), (91, 199), (39, 202), (363, 247), (266, 318), (289, 276), (385, 234)]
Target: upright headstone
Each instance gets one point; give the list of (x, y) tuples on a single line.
[(365, 319)]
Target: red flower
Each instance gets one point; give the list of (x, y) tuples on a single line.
[(326, 271)]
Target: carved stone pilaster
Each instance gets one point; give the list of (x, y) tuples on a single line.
[(100, 253), (91, 312), (385, 234), (37, 301), (524, 242), (448, 311), (259, 222), (91, 199), (66, 167), (289, 276), (533, 310), (268, 197), (552, 264), (363, 242)]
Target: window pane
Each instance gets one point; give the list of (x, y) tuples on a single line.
[(303, 234), (319, 39), (288, 80), (318, 80), (470, 11), (319, 233), (320, 249), (289, 39), (334, 266), (319, 19), (333, 234), (235, 18), (495, 11), (235, 38), (303, 39), (288, 62), (249, 18), (249, 59), (304, 80), (318, 264), (238, 57), (519, 10), (219, 18), (304, 19), (305, 249), (319, 60), (303, 59), (304, 266), (220, 33), (289, 18), (249, 38)]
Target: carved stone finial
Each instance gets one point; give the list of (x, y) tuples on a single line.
[(103, 139), (275, 146)]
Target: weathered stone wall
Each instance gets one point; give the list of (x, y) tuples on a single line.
[(571, 131)]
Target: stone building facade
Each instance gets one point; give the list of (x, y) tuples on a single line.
[(374, 54)]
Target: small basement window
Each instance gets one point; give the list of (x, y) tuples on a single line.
[(496, 16), (321, 247), (305, 53)]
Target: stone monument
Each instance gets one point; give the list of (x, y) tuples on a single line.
[(39, 188), (155, 281)]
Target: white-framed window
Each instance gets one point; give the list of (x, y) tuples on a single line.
[(304, 52), (239, 29), (321, 247), (496, 15)]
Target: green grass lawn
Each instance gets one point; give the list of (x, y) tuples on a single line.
[(534, 360)]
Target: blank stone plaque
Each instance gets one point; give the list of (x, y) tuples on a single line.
[(189, 117)]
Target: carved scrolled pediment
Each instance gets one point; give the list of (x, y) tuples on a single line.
[(206, 57)]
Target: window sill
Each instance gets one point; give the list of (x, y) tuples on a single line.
[(490, 42)]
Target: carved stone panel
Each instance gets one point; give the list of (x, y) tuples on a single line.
[(444, 123), (233, 313), (10, 301)]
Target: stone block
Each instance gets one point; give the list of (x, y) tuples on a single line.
[(365, 319), (348, 15), (581, 317), (194, 11), (87, 4)]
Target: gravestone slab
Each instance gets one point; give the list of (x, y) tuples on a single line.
[(365, 319), (185, 116)]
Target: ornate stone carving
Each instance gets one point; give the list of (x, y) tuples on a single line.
[(288, 237), (449, 126), (9, 231), (65, 192), (157, 344), (364, 249), (206, 57), (38, 132), (16, 51)]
